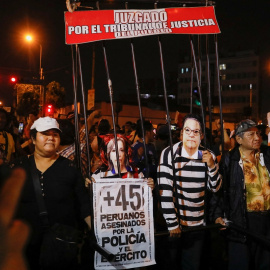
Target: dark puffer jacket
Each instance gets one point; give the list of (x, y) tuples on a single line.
[(233, 202)]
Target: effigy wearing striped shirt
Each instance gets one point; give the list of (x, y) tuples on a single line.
[(191, 176)]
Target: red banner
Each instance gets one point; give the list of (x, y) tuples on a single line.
[(88, 26)]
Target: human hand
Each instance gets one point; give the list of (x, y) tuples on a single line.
[(221, 221), (88, 181), (150, 182), (208, 158), (13, 233), (175, 232)]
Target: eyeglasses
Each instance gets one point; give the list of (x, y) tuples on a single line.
[(251, 134), (196, 132)]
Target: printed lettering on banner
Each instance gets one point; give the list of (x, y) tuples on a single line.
[(123, 222), (88, 26)]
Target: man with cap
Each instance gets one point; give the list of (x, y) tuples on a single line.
[(62, 188), (246, 202)]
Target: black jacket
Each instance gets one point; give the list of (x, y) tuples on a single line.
[(233, 199), (65, 196)]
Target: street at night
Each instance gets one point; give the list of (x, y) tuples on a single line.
[(134, 134)]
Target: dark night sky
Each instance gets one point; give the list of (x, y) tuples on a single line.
[(244, 25)]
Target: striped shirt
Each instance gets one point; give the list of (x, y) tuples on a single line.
[(191, 176)]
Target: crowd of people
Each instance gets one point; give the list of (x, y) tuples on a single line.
[(197, 182)]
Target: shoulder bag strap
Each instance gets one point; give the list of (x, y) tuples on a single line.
[(40, 200)]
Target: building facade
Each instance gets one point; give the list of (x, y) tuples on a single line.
[(239, 80)]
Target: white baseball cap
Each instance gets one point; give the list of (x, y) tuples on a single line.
[(45, 123)]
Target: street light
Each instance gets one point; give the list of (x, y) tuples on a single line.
[(29, 39)]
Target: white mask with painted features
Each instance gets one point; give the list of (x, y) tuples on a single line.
[(122, 156), (192, 140)]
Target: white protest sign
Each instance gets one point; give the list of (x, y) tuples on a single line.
[(123, 221)]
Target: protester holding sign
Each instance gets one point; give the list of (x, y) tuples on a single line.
[(120, 196), (195, 169)]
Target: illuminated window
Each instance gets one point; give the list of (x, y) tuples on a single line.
[(145, 96), (222, 67), (182, 70)]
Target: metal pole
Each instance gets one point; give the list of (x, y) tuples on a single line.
[(77, 138), (111, 101), (209, 88), (40, 59), (250, 96), (191, 84), (219, 96), (199, 86), (85, 116), (168, 121), (139, 102), (41, 77), (93, 68), (199, 60)]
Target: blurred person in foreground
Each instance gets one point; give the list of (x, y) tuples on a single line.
[(196, 171), (13, 232), (247, 198)]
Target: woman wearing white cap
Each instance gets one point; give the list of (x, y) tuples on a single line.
[(61, 185)]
